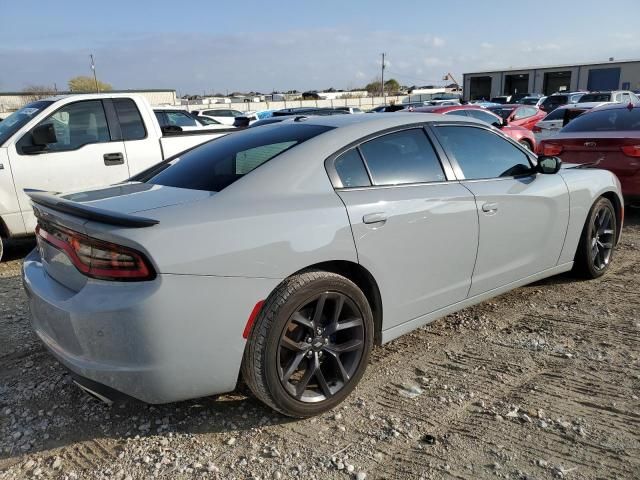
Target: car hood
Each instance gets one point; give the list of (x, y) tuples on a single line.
[(136, 197)]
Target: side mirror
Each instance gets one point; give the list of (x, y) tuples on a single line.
[(549, 164), (499, 123), (43, 135)]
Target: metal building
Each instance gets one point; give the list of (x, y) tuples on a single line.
[(611, 75)]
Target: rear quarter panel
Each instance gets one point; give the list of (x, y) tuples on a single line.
[(585, 185), (253, 228)]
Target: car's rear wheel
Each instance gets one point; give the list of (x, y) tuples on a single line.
[(2, 241), (599, 234), (310, 344)]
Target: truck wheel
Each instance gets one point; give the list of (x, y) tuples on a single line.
[(2, 241), (595, 250), (310, 344)]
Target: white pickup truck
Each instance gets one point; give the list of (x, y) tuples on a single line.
[(76, 142)]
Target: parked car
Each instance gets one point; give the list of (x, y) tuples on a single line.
[(316, 264), (524, 116), (521, 135), (517, 97), (606, 137), (75, 142), (558, 99), (174, 117), (378, 109), (484, 103), (225, 116), (551, 125), (620, 96)]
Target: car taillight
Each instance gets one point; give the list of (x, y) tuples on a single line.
[(631, 150), (95, 258), (551, 149)]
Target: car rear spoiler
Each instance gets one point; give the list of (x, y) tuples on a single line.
[(49, 200)]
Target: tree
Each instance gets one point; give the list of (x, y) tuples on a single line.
[(36, 92), (391, 86), (373, 88), (87, 84)]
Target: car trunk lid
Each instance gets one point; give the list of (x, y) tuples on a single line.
[(118, 206)]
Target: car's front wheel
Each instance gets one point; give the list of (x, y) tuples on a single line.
[(598, 240), (310, 344)]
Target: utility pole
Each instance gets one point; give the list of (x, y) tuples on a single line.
[(95, 78), (382, 80)]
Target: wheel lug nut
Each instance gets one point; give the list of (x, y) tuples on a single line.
[(326, 340), (310, 354), (308, 339)]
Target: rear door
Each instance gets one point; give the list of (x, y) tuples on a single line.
[(523, 216), (415, 227), (87, 153)]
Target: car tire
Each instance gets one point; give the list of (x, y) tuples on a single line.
[(526, 144), (2, 242), (301, 335), (599, 234)]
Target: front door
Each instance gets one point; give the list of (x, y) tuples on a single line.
[(523, 215), (82, 157), (414, 229)]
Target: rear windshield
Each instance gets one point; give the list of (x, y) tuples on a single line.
[(503, 112), (595, 97), (217, 164), (608, 120)]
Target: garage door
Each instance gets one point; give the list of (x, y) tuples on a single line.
[(604, 79), (479, 88)]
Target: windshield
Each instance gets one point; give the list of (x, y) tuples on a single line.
[(215, 165), (595, 97), (609, 120), (17, 120), (503, 112)]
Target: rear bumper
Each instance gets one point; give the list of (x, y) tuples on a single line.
[(174, 338)]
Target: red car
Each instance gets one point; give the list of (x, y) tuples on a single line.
[(521, 135), (525, 116), (607, 137)]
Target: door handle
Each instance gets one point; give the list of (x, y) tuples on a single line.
[(113, 159), (490, 207), (378, 217)]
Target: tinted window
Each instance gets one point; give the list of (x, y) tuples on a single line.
[(77, 124), (525, 112), (462, 113), (482, 115), (606, 121), (595, 97), (131, 124), (557, 114), (503, 112), (351, 169), (554, 101), (402, 157), (217, 164), (483, 154)]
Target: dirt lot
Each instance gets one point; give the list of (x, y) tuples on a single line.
[(539, 383)]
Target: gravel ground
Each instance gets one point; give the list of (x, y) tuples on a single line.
[(539, 383)]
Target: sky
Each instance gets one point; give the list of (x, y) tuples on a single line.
[(198, 47)]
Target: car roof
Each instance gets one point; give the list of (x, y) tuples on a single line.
[(380, 122), (617, 106), (509, 105)]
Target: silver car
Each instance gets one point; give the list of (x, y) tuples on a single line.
[(283, 253)]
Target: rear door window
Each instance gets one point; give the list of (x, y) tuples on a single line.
[(402, 157), (351, 169), (131, 124), (484, 116), (215, 165)]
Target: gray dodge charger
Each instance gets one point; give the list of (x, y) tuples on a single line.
[(282, 254)]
